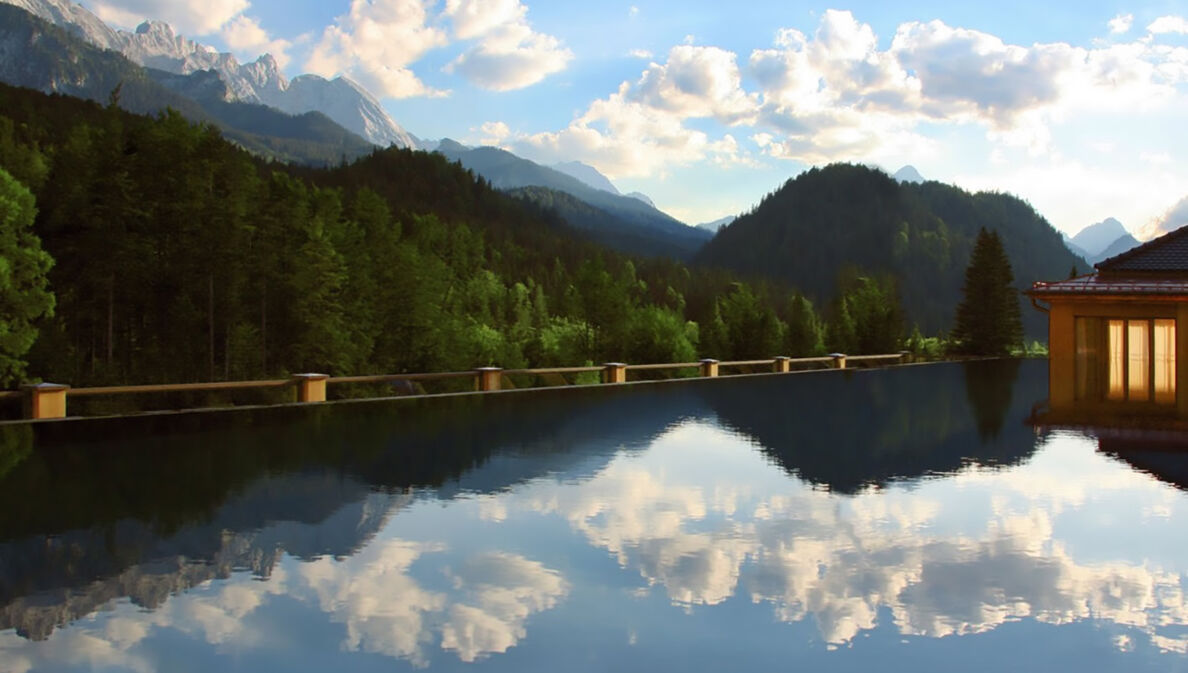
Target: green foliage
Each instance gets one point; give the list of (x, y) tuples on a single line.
[(988, 320), (24, 267), (828, 219), (180, 257), (867, 316)]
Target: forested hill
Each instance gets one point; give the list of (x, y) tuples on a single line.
[(828, 220), (180, 257)]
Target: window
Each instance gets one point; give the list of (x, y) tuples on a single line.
[(1126, 360)]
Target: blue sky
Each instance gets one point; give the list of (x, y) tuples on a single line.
[(1078, 107)]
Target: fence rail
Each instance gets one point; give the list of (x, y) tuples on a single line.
[(48, 400)]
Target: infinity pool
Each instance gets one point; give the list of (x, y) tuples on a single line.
[(907, 519)]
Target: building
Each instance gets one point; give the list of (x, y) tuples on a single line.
[(1113, 335)]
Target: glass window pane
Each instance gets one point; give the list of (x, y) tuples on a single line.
[(1117, 345), (1165, 361), (1088, 358), (1138, 360)]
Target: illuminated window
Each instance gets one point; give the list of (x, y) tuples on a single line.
[(1126, 360)]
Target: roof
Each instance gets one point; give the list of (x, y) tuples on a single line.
[(1166, 253), (1113, 285)]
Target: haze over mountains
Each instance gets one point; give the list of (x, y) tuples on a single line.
[(625, 223), (1100, 241)]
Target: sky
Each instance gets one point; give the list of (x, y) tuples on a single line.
[(1077, 107)]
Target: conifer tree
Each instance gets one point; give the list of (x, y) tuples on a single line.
[(24, 295), (988, 320)]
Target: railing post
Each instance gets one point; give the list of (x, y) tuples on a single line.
[(488, 378), (709, 367), (839, 360), (782, 364), (45, 400), (614, 372), (905, 357), (311, 387)]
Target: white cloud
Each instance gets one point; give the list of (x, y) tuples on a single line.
[(512, 57), (640, 53), (190, 17), (1121, 24), (248, 40), (1174, 218), (494, 133), (475, 18), (697, 82), (510, 54), (623, 138), (1168, 24), (375, 43)]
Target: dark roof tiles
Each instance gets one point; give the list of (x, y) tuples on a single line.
[(1166, 253)]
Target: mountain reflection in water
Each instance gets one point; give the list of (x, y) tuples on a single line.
[(703, 524)]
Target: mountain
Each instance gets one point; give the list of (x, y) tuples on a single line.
[(1124, 243), (1095, 238), (908, 174), (717, 224), (38, 55), (587, 174), (664, 234), (154, 44), (827, 220), (640, 196)]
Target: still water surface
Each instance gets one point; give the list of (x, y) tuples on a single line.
[(908, 519)]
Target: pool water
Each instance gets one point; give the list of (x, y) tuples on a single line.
[(906, 519)]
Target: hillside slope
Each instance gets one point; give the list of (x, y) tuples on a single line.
[(845, 216)]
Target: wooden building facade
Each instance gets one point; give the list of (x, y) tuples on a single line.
[(1113, 335)]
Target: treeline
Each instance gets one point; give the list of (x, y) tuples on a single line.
[(827, 219), (180, 257)]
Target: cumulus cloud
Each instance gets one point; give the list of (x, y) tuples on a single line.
[(475, 18), (641, 53), (248, 40), (512, 57), (1174, 218), (1168, 24), (191, 17), (509, 55), (639, 130), (1121, 23), (696, 82), (375, 43)]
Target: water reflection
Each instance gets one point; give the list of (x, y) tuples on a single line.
[(602, 529)]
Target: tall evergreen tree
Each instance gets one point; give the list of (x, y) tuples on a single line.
[(988, 319), (24, 295)]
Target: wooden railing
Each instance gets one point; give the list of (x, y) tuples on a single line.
[(48, 400)]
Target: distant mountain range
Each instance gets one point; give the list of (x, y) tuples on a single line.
[(38, 55), (625, 223), (843, 217), (1100, 241), (908, 174), (717, 224), (155, 45)]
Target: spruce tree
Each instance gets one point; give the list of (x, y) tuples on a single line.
[(988, 319)]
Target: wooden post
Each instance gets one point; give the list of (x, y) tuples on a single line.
[(709, 367), (905, 357), (614, 372), (488, 378), (311, 387), (782, 364), (45, 400), (839, 360)]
